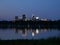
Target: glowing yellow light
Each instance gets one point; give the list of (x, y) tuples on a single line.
[(37, 31)]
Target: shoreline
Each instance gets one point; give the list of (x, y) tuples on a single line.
[(49, 41)]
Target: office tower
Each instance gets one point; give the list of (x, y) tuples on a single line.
[(23, 17), (16, 18)]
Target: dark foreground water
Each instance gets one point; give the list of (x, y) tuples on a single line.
[(10, 34)]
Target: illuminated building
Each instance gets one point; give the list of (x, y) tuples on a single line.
[(37, 18)]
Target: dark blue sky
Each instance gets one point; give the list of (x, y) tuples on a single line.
[(43, 8)]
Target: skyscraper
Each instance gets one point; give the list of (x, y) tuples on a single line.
[(16, 18), (23, 16), (33, 17)]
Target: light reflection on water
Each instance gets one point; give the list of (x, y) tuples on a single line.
[(7, 34)]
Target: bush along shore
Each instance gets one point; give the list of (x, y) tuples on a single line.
[(30, 24), (49, 41)]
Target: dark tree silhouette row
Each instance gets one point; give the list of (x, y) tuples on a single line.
[(30, 24)]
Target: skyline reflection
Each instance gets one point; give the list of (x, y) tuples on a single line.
[(26, 33)]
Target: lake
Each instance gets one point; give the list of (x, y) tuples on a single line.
[(12, 34)]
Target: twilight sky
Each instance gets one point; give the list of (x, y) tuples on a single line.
[(43, 8)]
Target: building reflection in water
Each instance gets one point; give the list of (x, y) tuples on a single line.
[(25, 31), (45, 29), (33, 33), (15, 30), (37, 31)]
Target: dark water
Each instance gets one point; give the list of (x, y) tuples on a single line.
[(9, 34)]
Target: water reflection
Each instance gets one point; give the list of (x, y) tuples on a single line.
[(37, 31), (25, 33), (33, 32)]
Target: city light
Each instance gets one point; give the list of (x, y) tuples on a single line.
[(44, 19), (37, 17), (32, 33), (37, 31)]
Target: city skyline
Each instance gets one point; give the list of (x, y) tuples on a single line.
[(49, 9)]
